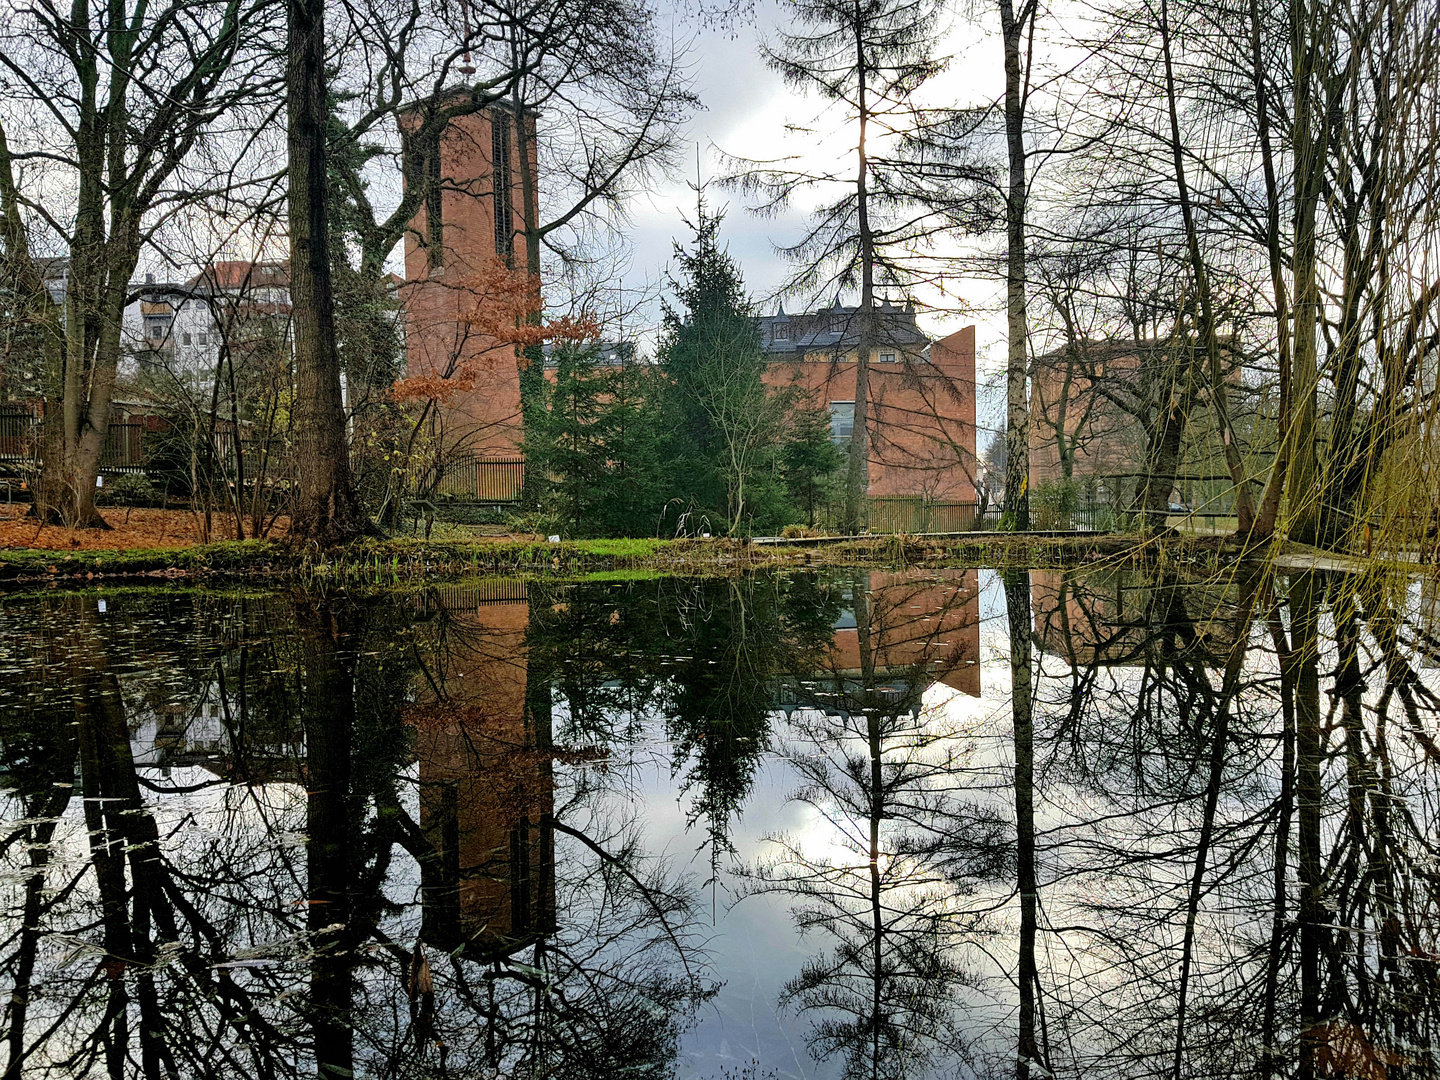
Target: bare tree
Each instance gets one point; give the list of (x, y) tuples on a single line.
[(124, 111), (868, 61)]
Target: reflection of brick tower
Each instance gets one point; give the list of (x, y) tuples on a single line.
[(474, 216), (486, 801)]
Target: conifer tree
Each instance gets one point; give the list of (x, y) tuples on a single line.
[(728, 424)]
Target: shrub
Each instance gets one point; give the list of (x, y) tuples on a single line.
[(1052, 503), (460, 513), (128, 489)]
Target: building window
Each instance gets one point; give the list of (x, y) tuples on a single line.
[(842, 421), (157, 331), (887, 358), (780, 332), (500, 179), (204, 338)]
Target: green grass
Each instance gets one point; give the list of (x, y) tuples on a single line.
[(393, 561)]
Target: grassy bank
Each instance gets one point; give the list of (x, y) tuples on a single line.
[(407, 558)]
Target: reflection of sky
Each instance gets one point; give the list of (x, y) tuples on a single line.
[(754, 947)]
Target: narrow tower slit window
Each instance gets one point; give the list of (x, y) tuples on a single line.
[(500, 179)]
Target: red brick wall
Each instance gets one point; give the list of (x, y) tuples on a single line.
[(485, 420), (1109, 442), (946, 643), (922, 416)]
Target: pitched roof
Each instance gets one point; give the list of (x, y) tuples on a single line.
[(232, 274)]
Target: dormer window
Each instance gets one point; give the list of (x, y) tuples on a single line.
[(780, 332), (887, 358)]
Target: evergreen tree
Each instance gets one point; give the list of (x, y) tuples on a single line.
[(811, 462), (567, 442), (728, 425), (596, 447)]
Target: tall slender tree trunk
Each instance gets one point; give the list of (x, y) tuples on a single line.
[(1271, 1059), (1219, 744), (325, 507), (41, 319), (1017, 413), (1305, 592), (329, 715), (857, 474), (1022, 711), (1269, 512), (1209, 334), (1308, 153), (43, 809)]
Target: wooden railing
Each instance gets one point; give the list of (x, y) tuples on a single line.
[(484, 479), (913, 514)]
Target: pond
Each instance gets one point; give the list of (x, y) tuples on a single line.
[(942, 823)]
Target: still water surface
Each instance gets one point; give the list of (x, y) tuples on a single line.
[(789, 825)]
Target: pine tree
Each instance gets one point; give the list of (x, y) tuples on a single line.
[(728, 424)]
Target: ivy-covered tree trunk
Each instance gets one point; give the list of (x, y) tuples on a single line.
[(325, 508), (532, 358)]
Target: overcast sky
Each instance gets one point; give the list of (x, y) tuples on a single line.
[(746, 108)]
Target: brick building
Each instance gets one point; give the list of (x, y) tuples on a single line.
[(474, 217), (1086, 404), (943, 646), (487, 799), (1078, 411), (922, 394)]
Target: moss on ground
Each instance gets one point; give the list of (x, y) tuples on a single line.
[(400, 559)]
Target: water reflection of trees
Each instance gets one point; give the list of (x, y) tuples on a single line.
[(1241, 808), (884, 875), (269, 835), (709, 657), (216, 928)]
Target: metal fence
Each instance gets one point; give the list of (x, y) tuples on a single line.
[(484, 479), (124, 449), (19, 436)]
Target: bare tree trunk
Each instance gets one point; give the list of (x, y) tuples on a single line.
[(1308, 153), (1270, 503), (1022, 712), (857, 474), (325, 509), (329, 712), (1270, 1059), (1209, 335), (1234, 667), (1309, 749), (44, 810), (1017, 416), (1152, 492)]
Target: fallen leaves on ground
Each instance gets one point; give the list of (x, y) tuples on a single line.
[(129, 529)]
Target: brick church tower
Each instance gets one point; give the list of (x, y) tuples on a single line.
[(474, 215)]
